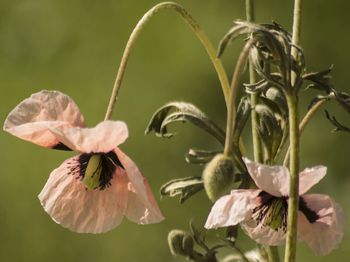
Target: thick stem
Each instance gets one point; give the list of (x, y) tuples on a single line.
[(292, 99), (136, 32), (231, 109), (309, 115), (293, 202)]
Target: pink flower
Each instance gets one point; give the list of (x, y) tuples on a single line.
[(262, 212), (93, 191)]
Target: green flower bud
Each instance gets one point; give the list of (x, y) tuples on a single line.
[(218, 176), (180, 242)]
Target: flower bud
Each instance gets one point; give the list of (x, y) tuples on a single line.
[(180, 242), (218, 176)]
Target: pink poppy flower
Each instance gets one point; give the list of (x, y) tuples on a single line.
[(93, 191), (262, 212)]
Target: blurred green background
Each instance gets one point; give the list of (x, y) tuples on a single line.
[(75, 47)]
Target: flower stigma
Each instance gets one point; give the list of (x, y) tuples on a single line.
[(93, 172)]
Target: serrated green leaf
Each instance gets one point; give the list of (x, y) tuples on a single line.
[(183, 187), (335, 122), (182, 112), (198, 156)]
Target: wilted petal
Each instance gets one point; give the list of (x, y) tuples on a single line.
[(31, 119), (263, 234), (309, 177), (271, 179), (142, 208), (70, 204), (232, 209), (104, 137), (324, 234)]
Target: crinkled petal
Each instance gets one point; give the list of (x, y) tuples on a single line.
[(263, 234), (102, 138), (142, 208), (31, 119), (326, 233), (69, 203), (271, 179), (309, 177), (232, 209)]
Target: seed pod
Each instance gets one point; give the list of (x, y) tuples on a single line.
[(218, 176)]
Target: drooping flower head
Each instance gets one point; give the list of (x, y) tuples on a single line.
[(93, 191), (262, 212)]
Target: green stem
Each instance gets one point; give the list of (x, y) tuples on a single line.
[(257, 147), (309, 115), (231, 109), (293, 202), (136, 32), (292, 100)]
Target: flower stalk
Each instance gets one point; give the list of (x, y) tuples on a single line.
[(292, 100), (250, 15), (272, 251), (231, 109), (138, 29)]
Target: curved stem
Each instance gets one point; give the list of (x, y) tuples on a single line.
[(231, 114), (309, 115), (136, 32)]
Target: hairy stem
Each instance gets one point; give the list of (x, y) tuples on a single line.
[(309, 115), (231, 114), (136, 32), (293, 202), (292, 100)]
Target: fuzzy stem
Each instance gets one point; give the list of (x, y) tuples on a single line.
[(292, 100), (293, 202), (309, 115), (231, 114), (136, 32)]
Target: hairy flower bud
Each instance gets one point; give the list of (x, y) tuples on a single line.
[(180, 242), (218, 176)]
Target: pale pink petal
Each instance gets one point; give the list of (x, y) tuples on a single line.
[(271, 179), (326, 233), (31, 119), (263, 234), (142, 208), (70, 204), (104, 137), (309, 177), (232, 209)]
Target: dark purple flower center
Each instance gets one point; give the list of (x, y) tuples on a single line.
[(273, 211), (104, 167)]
